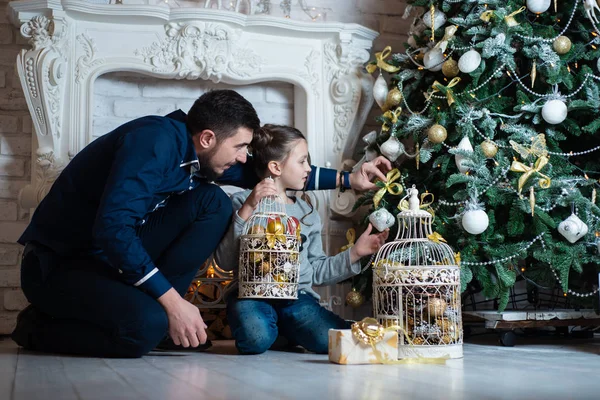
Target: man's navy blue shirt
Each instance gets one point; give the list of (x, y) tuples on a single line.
[(110, 187)]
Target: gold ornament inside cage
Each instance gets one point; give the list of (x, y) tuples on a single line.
[(416, 285), (269, 263)]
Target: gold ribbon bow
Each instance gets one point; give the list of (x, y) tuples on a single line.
[(541, 162), (436, 237), (486, 15), (393, 116), (426, 202), (438, 87), (278, 235), (381, 56), (510, 18), (369, 332), (390, 187), (350, 237), (448, 34)]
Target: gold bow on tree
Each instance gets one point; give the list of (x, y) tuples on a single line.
[(392, 116), (436, 237), (350, 237), (448, 34), (541, 162), (510, 18), (426, 202), (438, 87), (390, 187), (381, 63), (486, 15)]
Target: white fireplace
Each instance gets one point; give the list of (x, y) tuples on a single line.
[(81, 48)]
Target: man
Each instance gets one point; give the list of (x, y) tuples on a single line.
[(112, 248)]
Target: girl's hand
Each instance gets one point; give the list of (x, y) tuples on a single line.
[(368, 243), (265, 188)]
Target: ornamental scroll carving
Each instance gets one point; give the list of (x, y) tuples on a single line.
[(201, 50), (342, 62)]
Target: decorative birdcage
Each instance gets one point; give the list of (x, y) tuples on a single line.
[(416, 285), (269, 265)]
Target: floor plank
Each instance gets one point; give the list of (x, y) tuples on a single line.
[(537, 368)]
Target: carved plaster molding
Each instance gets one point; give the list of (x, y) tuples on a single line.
[(47, 169), (86, 61), (201, 50), (312, 74), (341, 65)]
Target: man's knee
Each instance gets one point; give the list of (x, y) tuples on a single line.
[(213, 200), (142, 336)]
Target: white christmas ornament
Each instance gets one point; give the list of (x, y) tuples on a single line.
[(380, 90), (439, 19), (598, 64), (554, 112), (381, 219), (475, 221), (538, 6), (465, 144), (433, 59), (392, 148), (573, 228), (469, 61)]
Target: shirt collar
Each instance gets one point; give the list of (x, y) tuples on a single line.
[(191, 158)]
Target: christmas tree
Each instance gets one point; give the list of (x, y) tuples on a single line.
[(492, 111)]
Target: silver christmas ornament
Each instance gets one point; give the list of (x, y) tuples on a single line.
[(392, 148), (381, 219)]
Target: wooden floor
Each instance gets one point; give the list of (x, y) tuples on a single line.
[(542, 368)]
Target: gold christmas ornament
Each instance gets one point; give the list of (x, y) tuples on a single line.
[(489, 148), (533, 74), (394, 98), (265, 267), (436, 307), (562, 45), (532, 200), (437, 134), (355, 299), (450, 68), (255, 256)]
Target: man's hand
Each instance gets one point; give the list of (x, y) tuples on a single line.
[(368, 243), (186, 326), (361, 179)]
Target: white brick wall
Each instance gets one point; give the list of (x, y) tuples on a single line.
[(113, 106)]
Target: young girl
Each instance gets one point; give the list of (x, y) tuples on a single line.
[(281, 152)]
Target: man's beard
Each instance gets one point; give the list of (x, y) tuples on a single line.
[(206, 170)]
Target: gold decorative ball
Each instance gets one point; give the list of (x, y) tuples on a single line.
[(394, 98), (355, 299), (437, 134), (450, 68), (562, 45), (390, 322), (436, 307), (265, 267), (446, 339), (489, 148), (275, 226), (255, 257), (418, 341)]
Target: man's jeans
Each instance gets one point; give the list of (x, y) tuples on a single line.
[(255, 323), (90, 311)]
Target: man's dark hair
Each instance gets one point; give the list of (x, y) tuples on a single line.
[(223, 112)]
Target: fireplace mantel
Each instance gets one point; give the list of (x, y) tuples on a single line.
[(74, 42)]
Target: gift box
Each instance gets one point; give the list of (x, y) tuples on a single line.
[(366, 343)]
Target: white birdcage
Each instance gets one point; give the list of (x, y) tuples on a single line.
[(416, 285), (269, 264)]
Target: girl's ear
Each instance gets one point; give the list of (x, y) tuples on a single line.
[(274, 168)]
